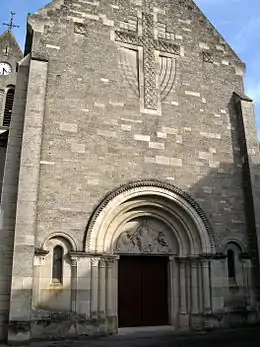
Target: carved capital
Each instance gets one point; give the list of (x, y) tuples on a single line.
[(95, 261), (39, 260), (245, 256), (182, 260), (206, 256), (39, 256), (74, 261), (110, 262), (194, 263), (205, 263), (102, 263), (40, 252)]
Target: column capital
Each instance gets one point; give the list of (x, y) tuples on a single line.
[(205, 262), (40, 252), (206, 256), (102, 262), (39, 256), (74, 261), (110, 262), (245, 256), (194, 263), (95, 261), (39, 260), (188, 258), (182, 260)]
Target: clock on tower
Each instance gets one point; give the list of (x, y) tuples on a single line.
[(5, 69)]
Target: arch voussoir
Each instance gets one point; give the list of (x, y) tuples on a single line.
[(167, 201)]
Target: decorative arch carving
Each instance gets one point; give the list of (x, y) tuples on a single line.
[(66, 237), (168, 196), (233, 240)]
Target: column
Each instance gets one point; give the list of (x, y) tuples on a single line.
[(176, 288), (206, 285), (247, 270), (74, 283), (94, 287), (183, 293), (102, 287), (194, 286), (110, 294), (84, 283), (115, 287), (171, 292), (36, 294)]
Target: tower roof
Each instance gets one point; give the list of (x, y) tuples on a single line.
[(8, 37)]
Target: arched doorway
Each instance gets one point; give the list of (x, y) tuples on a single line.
[(143, 270), (158, 246)]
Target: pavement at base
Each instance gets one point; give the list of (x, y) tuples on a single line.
[(242, 337)]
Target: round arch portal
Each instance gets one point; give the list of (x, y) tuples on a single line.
[(149, 218), (150, 199)]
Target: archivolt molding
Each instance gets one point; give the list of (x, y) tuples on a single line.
[(63, 236), (235, 240), (141, 188)]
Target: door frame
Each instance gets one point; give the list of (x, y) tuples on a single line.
[(173, 305)]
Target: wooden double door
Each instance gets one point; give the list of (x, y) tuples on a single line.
[(142, 291)]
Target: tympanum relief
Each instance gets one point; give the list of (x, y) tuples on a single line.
[(143, 237)]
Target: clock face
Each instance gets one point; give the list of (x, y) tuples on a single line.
[(5, 69)]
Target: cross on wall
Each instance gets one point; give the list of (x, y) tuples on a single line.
[(149, 48)]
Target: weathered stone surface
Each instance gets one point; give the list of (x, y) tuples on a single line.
[(130, 94), (10, 53)]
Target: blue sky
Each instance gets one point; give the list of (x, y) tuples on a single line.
[(237, 20)]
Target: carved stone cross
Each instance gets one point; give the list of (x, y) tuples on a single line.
[(148, 46)]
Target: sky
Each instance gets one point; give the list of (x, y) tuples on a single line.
[(238, 21)]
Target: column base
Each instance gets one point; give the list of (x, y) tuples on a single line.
[(111, 324), (102, 323), (196, 322), (19, 333), (184, 321)]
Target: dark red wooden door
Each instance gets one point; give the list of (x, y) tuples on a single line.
[(142, 291)]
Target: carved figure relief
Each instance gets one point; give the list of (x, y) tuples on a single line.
[(144, 239)]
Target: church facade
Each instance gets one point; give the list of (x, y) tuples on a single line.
[(130, 186)]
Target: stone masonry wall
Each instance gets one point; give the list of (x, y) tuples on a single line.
[(96, 132), (2, 165)]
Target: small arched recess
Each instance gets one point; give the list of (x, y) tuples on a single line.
[(238, 288), (53, 272)]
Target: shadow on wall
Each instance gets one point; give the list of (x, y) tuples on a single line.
[(71, 286), (67, 303)]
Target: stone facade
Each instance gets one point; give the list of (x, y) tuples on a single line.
[(10, 53), (133, 111)]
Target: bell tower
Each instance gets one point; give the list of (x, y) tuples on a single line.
[(10, 54)]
